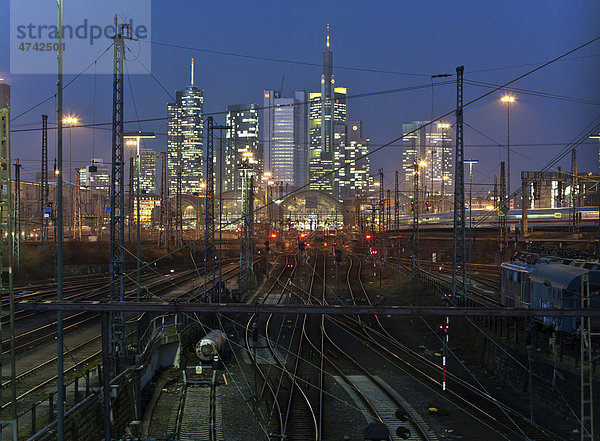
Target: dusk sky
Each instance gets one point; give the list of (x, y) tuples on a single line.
[(421, 38)]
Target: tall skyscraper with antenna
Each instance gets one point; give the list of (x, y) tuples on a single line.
[(326, 108), (184, 141)]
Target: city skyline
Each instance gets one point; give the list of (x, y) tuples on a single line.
[(487, 117)]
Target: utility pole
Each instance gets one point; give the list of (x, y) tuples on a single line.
[(77, 234), (458, 266), (7, 308), (415, 207), (220, 178), (396, 204), (381, 224), (250, 231), (524, 202), (131, 205), (245, 171), (117, 328), (503, 211), (574, 193), (495, 191), (178, 209), (586, 364), (44, 188), (59, 233), (209, 201), (99, 214), (163, 234), (16, 239)]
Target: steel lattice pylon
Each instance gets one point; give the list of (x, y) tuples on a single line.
[(459, 266), (117, 331), (77, 207), (415, 209), (247, 239), (396, 204), (209, 200), (44, 190), (7, 333), (16, 242), (586, 363), (503, 210), (164, 201), (574, 194)]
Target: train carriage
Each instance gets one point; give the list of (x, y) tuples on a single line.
[(547, 284)]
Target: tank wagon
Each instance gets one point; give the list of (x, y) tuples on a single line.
[(211, 345)]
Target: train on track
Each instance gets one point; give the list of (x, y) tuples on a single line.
[(538, 218), (531, 281)]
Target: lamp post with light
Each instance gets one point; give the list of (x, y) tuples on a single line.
[(508, 100), (71, 121), (133, 139)]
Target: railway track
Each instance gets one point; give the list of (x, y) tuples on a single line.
[(510, 422), (43, 373), (197, 402)]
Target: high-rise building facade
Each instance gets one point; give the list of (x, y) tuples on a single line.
[(284, 137), (241, 145), (185, 142), (352, 177), (326, 108), (431, 145), (147, 170), (321, 157), (96, 176)]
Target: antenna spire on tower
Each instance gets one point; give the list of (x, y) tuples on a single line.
[(327, 35), (192, 71)]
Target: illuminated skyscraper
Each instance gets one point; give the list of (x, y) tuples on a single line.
[(326, 108), (184, 142), (242, 143), (284, 137), (432, 144), (96, 176), (147, 170), (353, 177)]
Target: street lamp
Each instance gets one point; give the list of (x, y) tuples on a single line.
[(471, 163), (70, 121), (508, 100)]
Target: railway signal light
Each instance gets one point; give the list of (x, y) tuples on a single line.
[(444, 328), (374, 251), (273, 235), (368, 236)]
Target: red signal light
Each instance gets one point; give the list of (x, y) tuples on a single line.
[(368, 237), (374, 252), (273, 235)]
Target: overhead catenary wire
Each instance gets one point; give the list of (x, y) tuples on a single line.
[(326, 175)]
